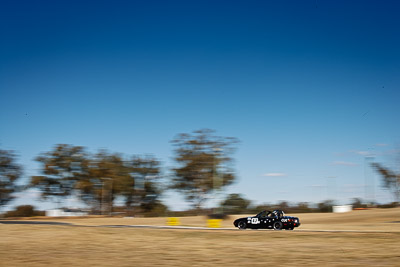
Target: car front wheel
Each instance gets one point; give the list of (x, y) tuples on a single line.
[(242, 225), (277, 226)]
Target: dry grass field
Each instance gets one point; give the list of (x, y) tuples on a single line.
[(46, 245)]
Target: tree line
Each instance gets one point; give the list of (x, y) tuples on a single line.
[(203, 165), (97, 179), (237, 204)]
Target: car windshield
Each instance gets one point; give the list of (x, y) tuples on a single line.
[(265, 214), (262, 214)]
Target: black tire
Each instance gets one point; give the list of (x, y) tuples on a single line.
[(242, 225), (277, 226)]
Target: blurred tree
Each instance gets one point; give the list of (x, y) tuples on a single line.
[(325, 206), (283, 205), (235, 204), (154, 209), (203, 164), (24, 211), (10, 171), (302, 207), (357, 203), (97, 179), (61, 169), (107, 177), (142, 187), (391, 180)]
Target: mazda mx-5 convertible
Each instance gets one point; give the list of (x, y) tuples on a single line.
[(268, 220)]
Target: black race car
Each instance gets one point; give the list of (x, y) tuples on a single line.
[(268, 220)]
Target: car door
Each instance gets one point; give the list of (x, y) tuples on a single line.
[(269, 220), (263, 221), (254, 222)]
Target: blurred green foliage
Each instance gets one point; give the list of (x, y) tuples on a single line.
[(390, 179), (10, 172), (24, 211), (204, 164), (235, 204), (98, 179)]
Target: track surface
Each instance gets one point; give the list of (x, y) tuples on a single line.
[(186, 227)]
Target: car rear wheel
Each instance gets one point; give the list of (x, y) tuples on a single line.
[(242, 225), (277, 226)]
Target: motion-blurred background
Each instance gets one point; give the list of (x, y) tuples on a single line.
[(155, 107)]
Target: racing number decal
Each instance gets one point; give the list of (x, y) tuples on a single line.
[(255, 221)]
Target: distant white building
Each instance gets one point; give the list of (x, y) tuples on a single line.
[(65, 212), (342, 209)]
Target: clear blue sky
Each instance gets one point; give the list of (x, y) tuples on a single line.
[(309, 87)]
